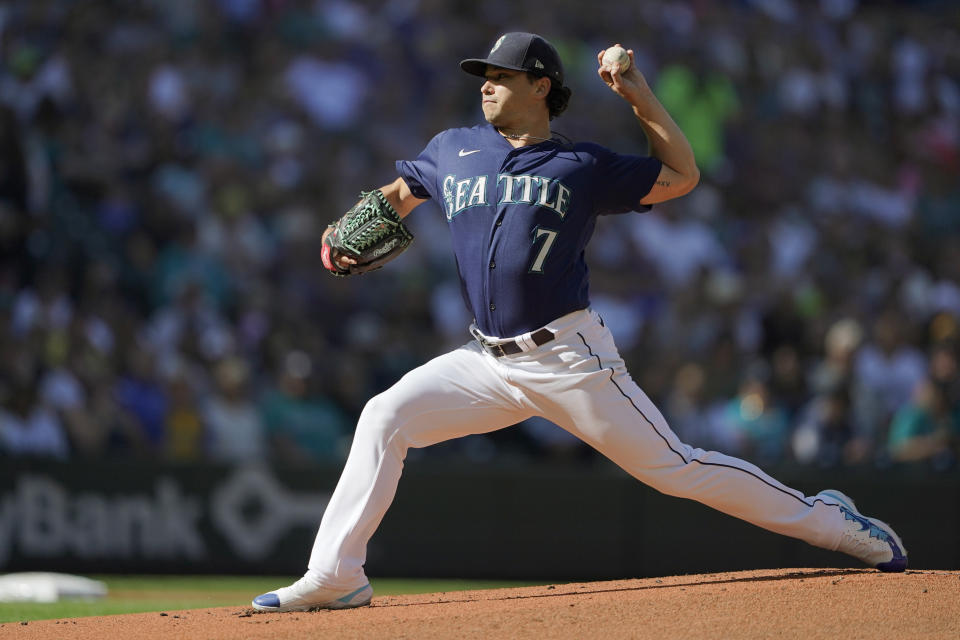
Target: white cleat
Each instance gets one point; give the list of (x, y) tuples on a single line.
[(304, 595), (868, 539)]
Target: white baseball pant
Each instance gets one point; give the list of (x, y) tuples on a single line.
[(579, 382)]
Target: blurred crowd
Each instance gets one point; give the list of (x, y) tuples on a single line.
[(167, 168)]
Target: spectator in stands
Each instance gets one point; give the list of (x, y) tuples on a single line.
[(303, 426), (234, 425), (183, 428), (28, 428), (756, 425), (14, 186), (702, 102), (827, 422), (824, 430), (139, 391), (686, 407), (887, 369), (927, 428)]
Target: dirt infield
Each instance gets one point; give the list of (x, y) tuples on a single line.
[(796, 603)]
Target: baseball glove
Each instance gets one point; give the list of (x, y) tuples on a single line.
[(371, 233)]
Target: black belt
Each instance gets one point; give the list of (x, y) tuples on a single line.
[(540, 337)]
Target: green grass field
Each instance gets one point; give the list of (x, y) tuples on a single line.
[(135, 594)]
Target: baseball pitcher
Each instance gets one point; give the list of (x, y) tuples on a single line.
[(521, 206)]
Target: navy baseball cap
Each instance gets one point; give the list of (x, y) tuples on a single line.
[(521, 52)]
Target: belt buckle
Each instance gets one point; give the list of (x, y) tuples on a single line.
[(495, 350)]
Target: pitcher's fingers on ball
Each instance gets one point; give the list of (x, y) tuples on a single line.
[(616, 58)]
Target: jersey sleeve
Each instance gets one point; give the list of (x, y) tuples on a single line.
[(623, 180), (421, 174)]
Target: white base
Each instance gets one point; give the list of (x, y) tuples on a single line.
[(48, 587)]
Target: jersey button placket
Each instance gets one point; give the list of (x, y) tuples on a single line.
[(496, 229)]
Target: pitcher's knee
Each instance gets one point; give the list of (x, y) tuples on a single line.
[(380, 418)]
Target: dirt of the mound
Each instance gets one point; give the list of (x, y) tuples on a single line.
[(795, 603)]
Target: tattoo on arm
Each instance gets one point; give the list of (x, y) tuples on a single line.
[(663, 183)]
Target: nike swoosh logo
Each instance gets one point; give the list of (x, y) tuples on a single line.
[(464, 152)]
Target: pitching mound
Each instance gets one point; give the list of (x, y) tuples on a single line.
[(797, 603)]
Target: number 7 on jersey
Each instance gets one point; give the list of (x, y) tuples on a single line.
[(550, 235)]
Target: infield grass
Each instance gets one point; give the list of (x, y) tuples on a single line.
[(137, 594)]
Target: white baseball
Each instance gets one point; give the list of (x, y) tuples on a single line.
[(616, 57)]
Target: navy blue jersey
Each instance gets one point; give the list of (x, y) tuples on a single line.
[(521, 218)]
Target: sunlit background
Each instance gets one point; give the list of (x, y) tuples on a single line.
[(167, 168)]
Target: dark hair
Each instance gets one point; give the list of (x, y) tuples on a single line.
[(558, 97)]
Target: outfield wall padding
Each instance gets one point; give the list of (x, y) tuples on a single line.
[(467, 520)]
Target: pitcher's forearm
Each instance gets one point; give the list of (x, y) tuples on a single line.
[(667, 141), (398, 194)]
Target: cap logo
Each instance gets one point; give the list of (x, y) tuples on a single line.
[(497, 44), (537, 63)]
